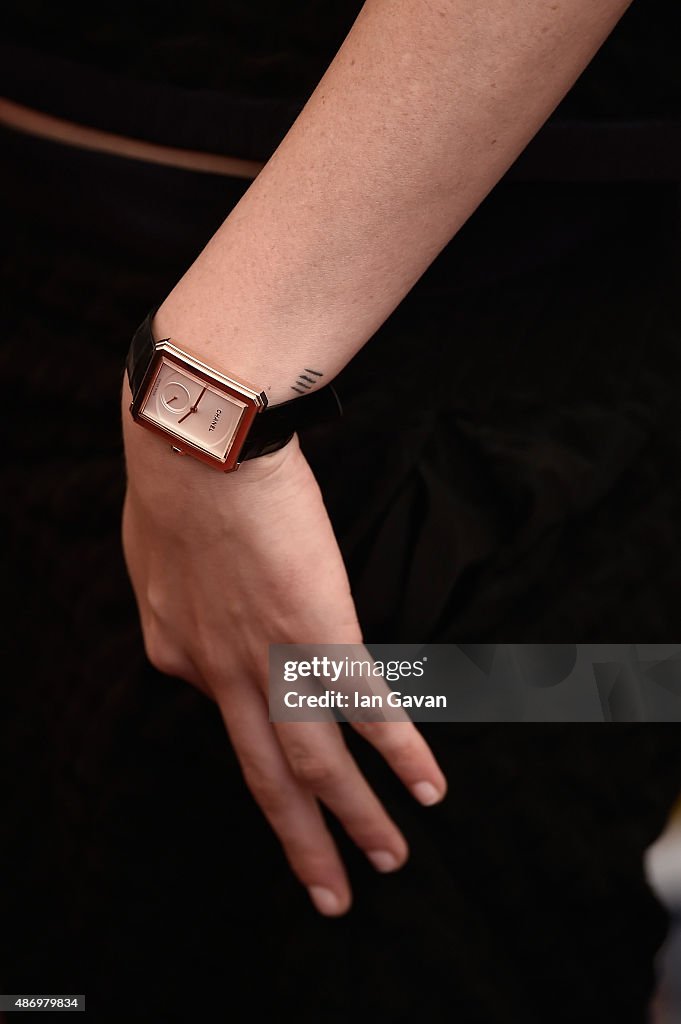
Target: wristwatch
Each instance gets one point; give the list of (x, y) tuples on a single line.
[(218, 418)]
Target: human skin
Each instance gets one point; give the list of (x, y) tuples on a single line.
[(420, 113)]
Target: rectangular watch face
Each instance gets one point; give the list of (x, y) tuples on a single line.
[(197, 412)]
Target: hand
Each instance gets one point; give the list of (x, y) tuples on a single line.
[(224, 565)]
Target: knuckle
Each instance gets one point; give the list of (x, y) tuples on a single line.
[(404, 755), (265, 789), (308, 862), (371, 830), (401, 745), (162, 652), (310, 769), (158, 600)]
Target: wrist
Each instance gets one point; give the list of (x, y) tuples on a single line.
[(284, 366), (153, 456), (209, 412)]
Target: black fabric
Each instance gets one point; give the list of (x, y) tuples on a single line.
[(267, 49), (532, 494), (232, 77)]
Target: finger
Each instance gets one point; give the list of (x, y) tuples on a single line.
[(409, 756), (397, 740), (323, 765), (292, 812)]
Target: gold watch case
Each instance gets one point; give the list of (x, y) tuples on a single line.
[(199, 410)]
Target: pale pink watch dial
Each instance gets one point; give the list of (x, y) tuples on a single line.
[(180, 402)]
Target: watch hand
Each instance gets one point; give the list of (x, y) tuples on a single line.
[(193, 407)]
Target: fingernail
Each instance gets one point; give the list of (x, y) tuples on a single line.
[(425, 793), (325, 900), (383, 860)]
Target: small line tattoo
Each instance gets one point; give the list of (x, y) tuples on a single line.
[(304, 383)]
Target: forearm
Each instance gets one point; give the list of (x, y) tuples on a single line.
[(418, 116)]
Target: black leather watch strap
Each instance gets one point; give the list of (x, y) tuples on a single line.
[(272, 428), (140, 353)]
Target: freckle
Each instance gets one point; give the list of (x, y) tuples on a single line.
[(493, 141), (352, 62)]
